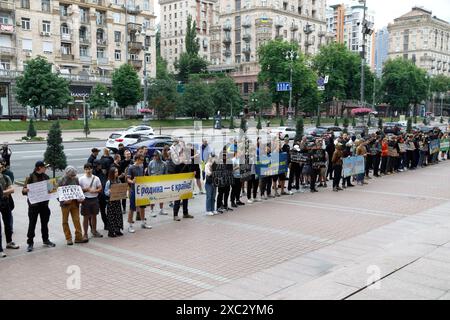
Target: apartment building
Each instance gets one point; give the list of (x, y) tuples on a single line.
[(423, 38), (244, 25), (173, 17), (381, 50), (84, 39), (344, 21)]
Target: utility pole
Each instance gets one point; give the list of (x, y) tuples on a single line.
[(363, 54), (126, 30), (291, 55)]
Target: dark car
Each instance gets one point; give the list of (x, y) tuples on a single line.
[(427, 129), (158, 143), (392, 129), (316, 132)]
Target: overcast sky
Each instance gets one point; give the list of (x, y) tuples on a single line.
[(387, 10)]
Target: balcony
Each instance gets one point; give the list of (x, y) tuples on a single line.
[(294, 27), (134, 27), (66, 36), (227, 41), (84, 40), (322, 33), (85, 78), (246, 37), (65, 56), (7, 51), (101, 22), (86, 59), (135, 46), (103, 60), (227, 53), (6, 28), (84, 20), (101, 42), (227, 27), (7, 5), (136, 63), (133, 9), (247, 23), (308, 43)]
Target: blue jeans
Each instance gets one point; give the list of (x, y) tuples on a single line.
[(210, 197), (360, 177)]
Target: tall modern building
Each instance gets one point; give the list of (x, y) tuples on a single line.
[(423, 38), (344, 21), (173, 19), (381, 50), (85, 40), (243, 26)]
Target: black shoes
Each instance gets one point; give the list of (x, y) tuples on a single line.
[(239, 203), (49, 244), (233, 205), (30, 248)]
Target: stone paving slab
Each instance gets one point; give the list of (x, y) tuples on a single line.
[(305, 246)]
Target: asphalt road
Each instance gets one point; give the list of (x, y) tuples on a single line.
[(24, 156)]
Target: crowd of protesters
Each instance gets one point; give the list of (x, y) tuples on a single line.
[(227, 176)]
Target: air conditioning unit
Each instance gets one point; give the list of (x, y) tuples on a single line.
[(45, 34)]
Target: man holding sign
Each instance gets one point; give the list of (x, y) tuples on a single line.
[(39, 209)]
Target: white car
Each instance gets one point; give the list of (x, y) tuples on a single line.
[(124, 137), (142, 129), (283, 132)]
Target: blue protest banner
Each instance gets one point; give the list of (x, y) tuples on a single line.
[(272, 165), (353, 166), (434, 146)]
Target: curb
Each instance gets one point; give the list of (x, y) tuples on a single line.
[(45, 142)]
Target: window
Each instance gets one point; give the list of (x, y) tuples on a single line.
[(46, 26), (5, 64), (66, 48), (45, 5), (148, 59), (63, 10), (84, 14), (146, 5), (118, 55), (4, 20), (47, 47), (116, 17), (26, 24), (117, 36), (100, 53), (84, 51), (27, 44), (64, 29), (25, 4)]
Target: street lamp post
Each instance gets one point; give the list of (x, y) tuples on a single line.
[(363, 54), (291, 55)]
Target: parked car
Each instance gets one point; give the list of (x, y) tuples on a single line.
[(337, 131), (392, 127), (141, 129), (153, 144), (124, 137), (316, 132), (283, 132)]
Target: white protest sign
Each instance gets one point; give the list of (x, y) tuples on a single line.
[(40, 191), (73, 192)]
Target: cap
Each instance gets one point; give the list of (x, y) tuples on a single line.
[(95, 150), (40, 164), (297, 147)]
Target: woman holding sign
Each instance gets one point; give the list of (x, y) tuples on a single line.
[(113, 210)]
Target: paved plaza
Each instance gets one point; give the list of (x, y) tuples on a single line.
[(387, 240)]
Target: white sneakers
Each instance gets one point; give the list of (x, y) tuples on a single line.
[(249, 201), (209, 213), (290, 192), (153, 214), (130, 229), (145, 226), (162, 212)]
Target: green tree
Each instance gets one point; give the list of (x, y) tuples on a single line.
[(232, 123), (163, 96), (415, 119), (281, 122), (404, 84), (54, 155), (276, 68), (336, 121), (243, 125), (344, 69), (260, 100), (86, 129), (409, 126), (299, 129), (225, 95), (161, 68), (353, 122), (259, 125), (380, 123), (31, 132), (318, 120), (346, 124), (190, 62), (196, 99), (126, 86), (441, 120), (99, 98), (39, 87)]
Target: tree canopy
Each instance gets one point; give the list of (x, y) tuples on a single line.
[(276, 68), (163, 97), (225, 95), (126, 86), (196, 100), (40, 87), (99, 98)]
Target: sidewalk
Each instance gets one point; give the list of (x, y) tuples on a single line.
[(387, 240)]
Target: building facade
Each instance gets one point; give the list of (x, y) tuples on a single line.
[(381, 50), (423, 38), (173, 19), (344, 21), (244, 25), (85, 40)]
